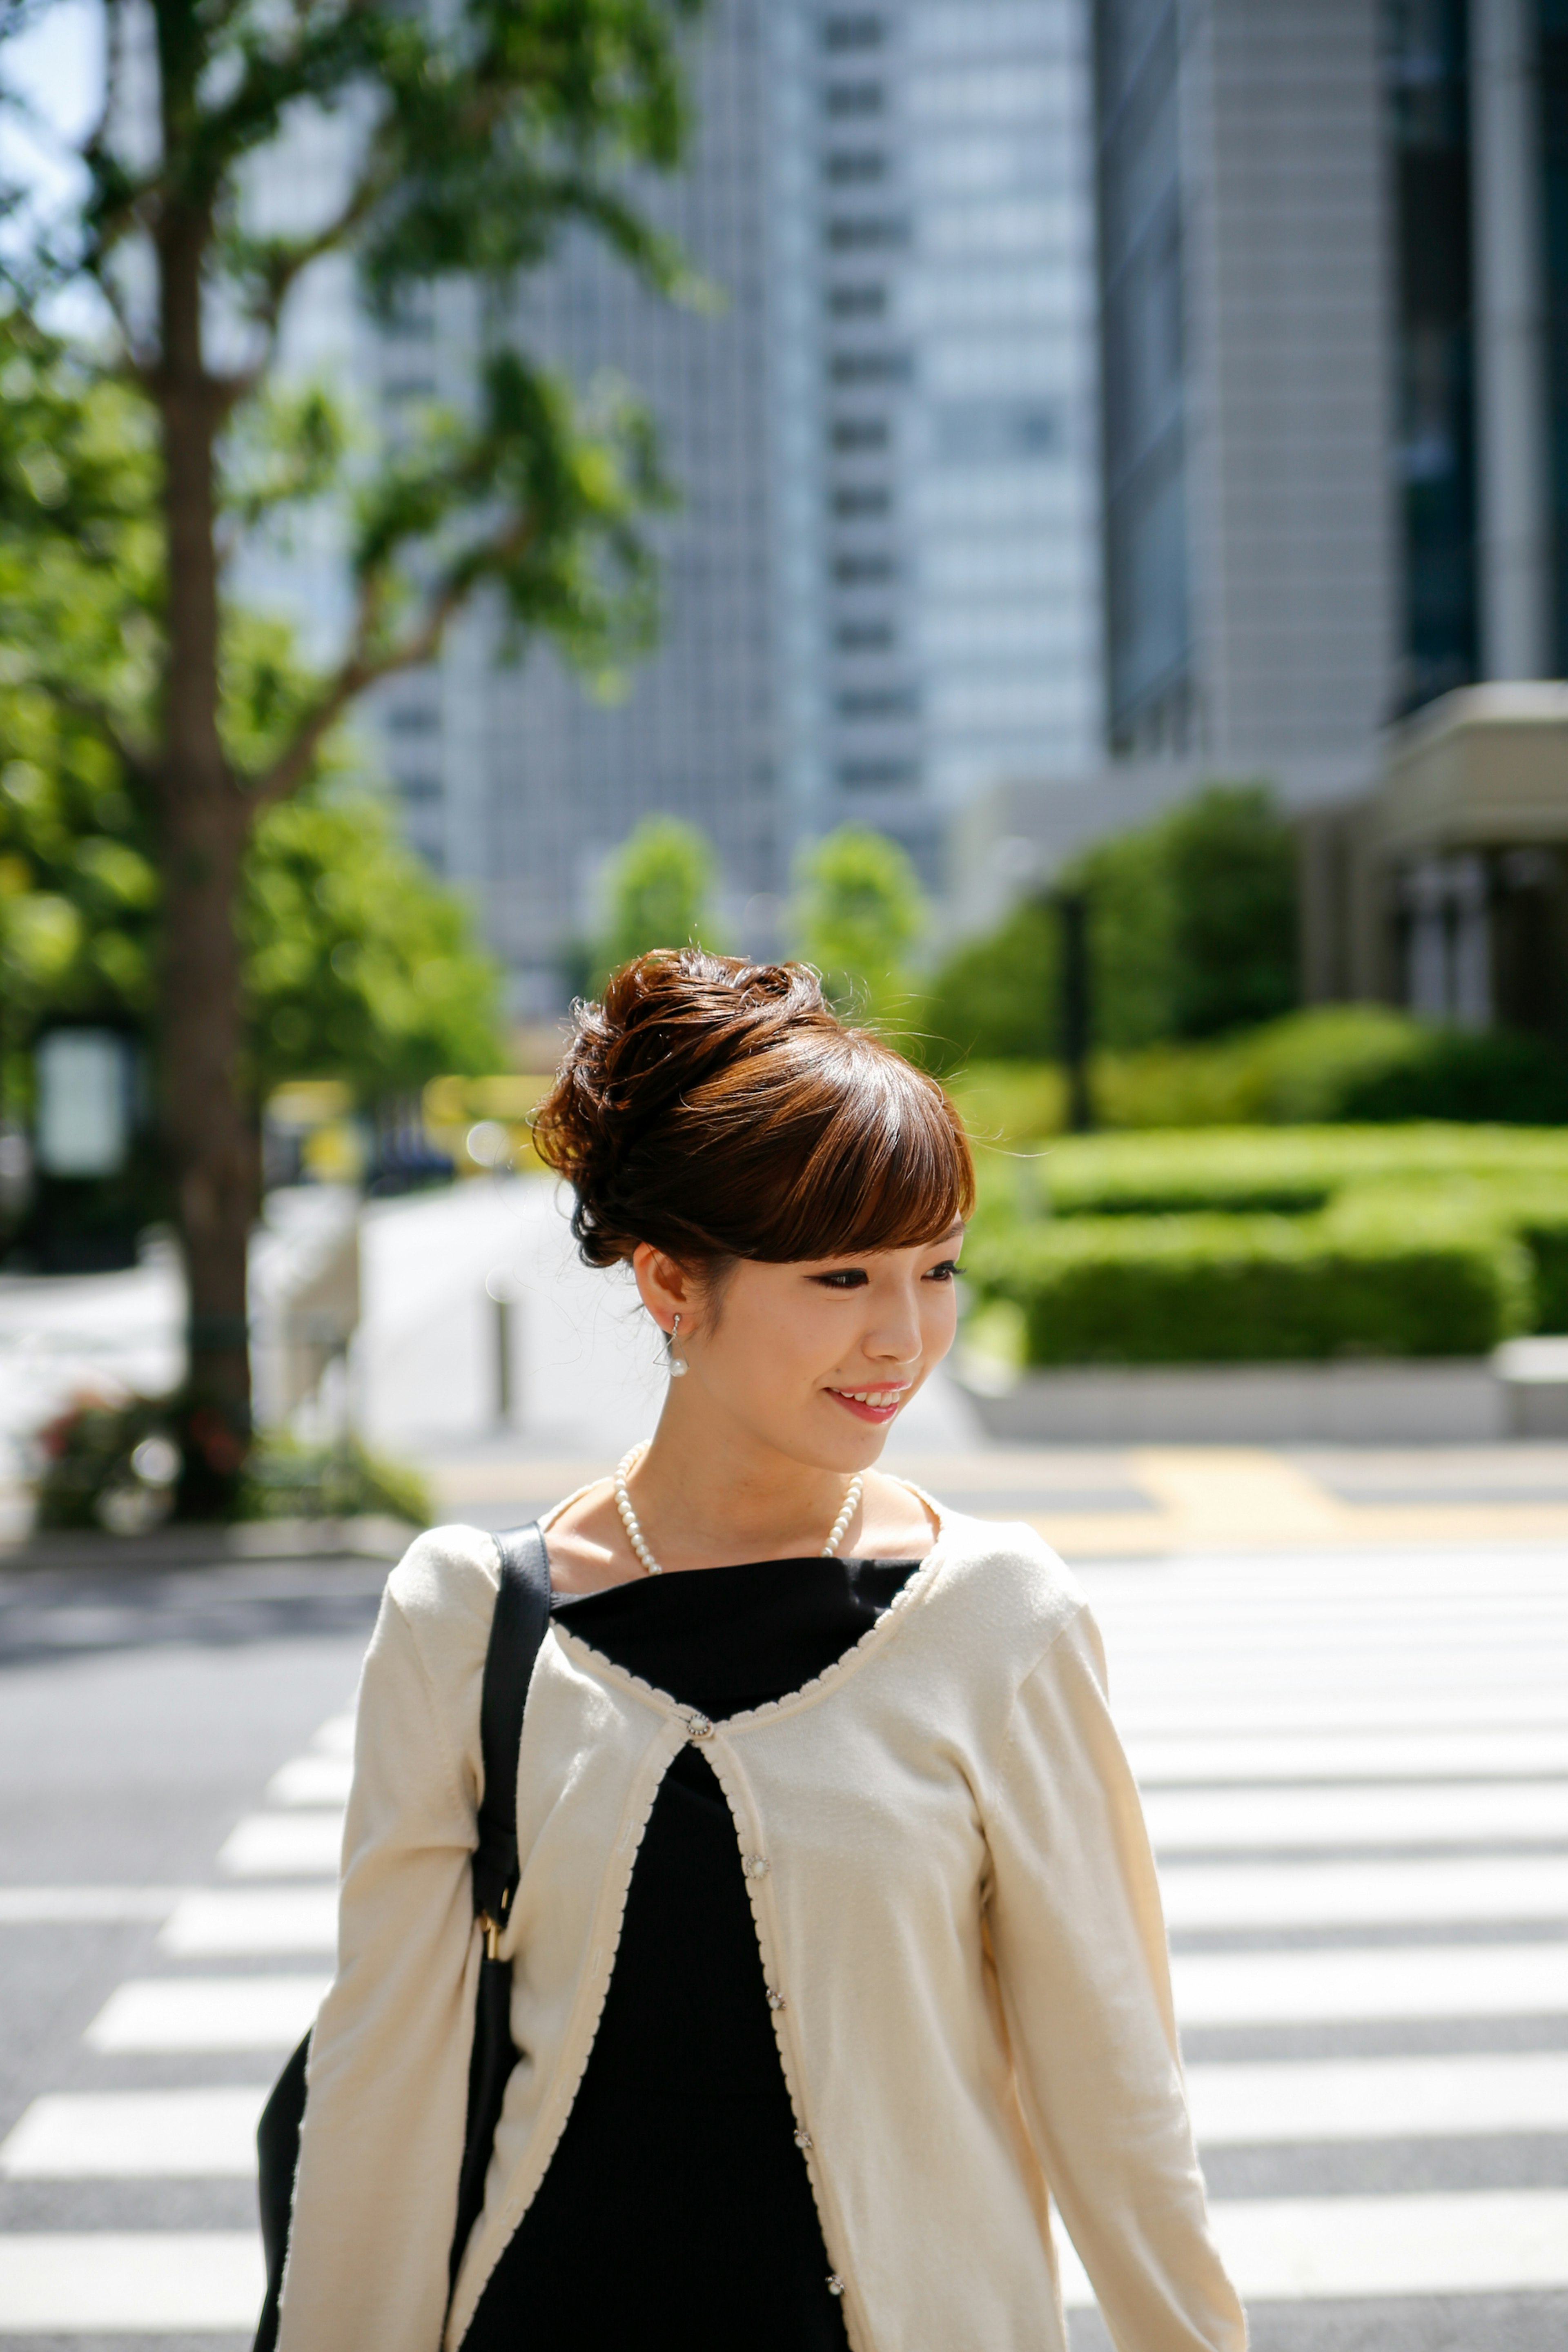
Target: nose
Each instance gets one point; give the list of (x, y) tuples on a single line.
[(895, 1338)]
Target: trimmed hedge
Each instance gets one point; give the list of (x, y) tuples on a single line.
[(1343, 1063), (1290, 1171), (1358, 1280)]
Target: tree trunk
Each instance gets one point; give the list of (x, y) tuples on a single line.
[(208, 1134)]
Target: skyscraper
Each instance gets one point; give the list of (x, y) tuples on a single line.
[(1335, 302), (882, 586)]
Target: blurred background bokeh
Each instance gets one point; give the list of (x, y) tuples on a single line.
[(1057, 512)]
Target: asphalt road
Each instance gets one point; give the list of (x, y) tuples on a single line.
[(1357, 1775)]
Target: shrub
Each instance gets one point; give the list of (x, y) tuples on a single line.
[(1358, 1064), (1214, 1288), (285, 1480), (114, 1463), (1290, 1170), (1463, 1074)]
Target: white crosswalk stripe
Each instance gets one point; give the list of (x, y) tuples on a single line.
[(1356, 1775), (207, 2013), (187, 2134)]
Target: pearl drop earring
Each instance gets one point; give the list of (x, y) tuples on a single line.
[(677, 1366)]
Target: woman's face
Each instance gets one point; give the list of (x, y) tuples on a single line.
[(815, 1358)]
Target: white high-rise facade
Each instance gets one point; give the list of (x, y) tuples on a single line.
[(883, 584)]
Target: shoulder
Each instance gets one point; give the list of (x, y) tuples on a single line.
[(1005, 1581), (443, 1588)]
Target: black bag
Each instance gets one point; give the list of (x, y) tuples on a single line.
[(520, 1621)]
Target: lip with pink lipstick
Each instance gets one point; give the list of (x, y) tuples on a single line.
[(874, 1404)]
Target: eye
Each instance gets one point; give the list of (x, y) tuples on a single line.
[(946, 1271), (853, 1278)]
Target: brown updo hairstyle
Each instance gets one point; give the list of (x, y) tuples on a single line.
[(719, 1110)]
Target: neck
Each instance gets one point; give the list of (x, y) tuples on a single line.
[(710, 1494)]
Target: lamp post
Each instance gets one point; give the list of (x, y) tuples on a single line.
[(1072, 914)]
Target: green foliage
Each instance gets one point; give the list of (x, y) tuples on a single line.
[(481, 135), (1193, 921), (115, 1464), (284, 1479), (995, 999), (1379, 1281), (359, 965), (1343, 1062), (1209, 1247), (858, 914), (1287, 1169), (658, 894), (1232, 865), (1134, 981), (1191, 934)]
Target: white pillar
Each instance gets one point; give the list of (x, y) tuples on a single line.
[(1513, 464)]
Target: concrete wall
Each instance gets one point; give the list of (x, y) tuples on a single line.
[(1290, 500)]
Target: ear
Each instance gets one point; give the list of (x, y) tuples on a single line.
[(665, 1286)]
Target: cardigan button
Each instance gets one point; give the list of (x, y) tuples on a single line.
[(699, 1727), (756, 1866), (834, 2283), (776, 1999), (803, 2140)]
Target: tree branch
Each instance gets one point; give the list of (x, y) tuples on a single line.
[(364, 667), (96, 712)]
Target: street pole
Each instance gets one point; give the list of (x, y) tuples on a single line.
[(1072, 913), (501, 1290)]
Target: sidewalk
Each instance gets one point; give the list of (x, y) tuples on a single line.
[(1152, 1502)]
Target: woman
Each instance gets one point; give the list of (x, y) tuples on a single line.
[(837, 1941)]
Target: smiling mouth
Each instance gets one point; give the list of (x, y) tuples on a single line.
[(872, 1405)]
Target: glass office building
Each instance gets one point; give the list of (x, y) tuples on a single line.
[(1334, 282), (1245, 356), (882, 585)]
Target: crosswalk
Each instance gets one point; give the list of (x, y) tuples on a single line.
[(1356, 1775)]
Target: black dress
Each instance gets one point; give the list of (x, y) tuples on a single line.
[(677, 2209)]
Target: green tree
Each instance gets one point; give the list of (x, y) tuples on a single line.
[(1232, 861), (998, 998), (658, 893), (358, 964), (858, 916), (1192, 919), (1132, 973), (485, 130)]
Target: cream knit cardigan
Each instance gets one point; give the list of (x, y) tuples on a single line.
[(958, 1924)]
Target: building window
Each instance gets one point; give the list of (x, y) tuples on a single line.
[(869, 367), (864, 638), (860, 432), (879, 702), (877, 775), (859, 32), (859, 502), (855, 169), (857, 301), (854, 100), (997, 432), (875, 234), (862, 571)]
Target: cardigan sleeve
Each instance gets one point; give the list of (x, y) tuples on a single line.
[(1079, 1942), (375, 2196)]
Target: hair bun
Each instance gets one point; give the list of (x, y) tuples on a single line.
[(689, 1067)]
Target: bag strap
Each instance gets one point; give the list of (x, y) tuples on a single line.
[(516, 1631)]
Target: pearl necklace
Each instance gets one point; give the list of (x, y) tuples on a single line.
[(638, 1542)]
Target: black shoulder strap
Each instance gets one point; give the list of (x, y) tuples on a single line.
[(517, 1630)]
